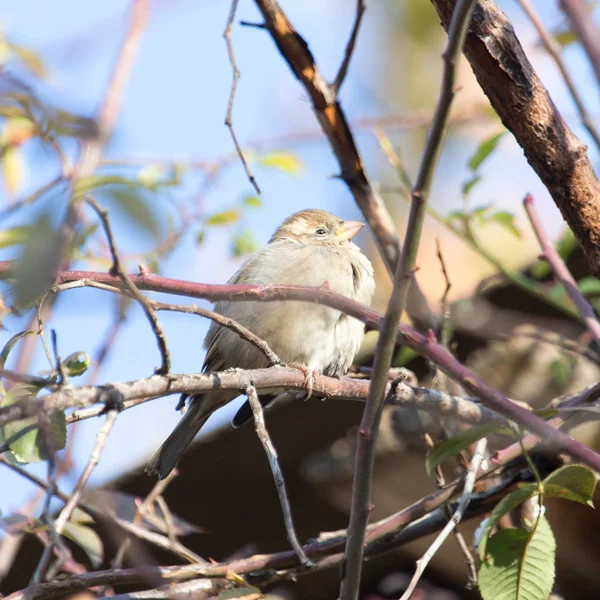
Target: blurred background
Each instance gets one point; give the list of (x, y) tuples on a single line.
[(183, 205)]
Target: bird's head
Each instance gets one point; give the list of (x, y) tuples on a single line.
[(317, 227)]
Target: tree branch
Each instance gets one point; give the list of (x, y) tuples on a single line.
[(425, 346), (518, 96), (562, 272), (553, 49), (118, 269), (583, 25), (234, 82), (265, 439), (384, 535), (369, 426), (332, 119)]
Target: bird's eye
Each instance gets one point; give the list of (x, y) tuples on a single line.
[(321, 231)]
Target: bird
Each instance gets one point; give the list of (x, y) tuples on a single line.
[(311, 247)]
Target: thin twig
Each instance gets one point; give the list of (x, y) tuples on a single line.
[(553, 49), (368, 430), (118, 269), (244, 333), (333, 122), (422, 518), (159, 487), (465, 498), (151, 537), (343, 70), (562, 272), (236, 77), (75, 497), (265, 439), (586, 31)]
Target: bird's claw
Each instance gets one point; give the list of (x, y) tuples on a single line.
[(309, 378)]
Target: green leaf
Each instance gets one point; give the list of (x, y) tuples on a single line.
[(519, 565), (485, 148), (508, 503), (572, 482), (136, 206), (88, 540), (252, 201), (461, 441), (37, 263), (11, 344), (244, 243), (506, 220), (470, 184), (15, 235), (283, 161), (565, 37), (76, 364), (225, 217), (589, 286), (23, 436), (93, 183)]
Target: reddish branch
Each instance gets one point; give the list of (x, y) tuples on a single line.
[(580, 17), (518, 96), (426, 346)]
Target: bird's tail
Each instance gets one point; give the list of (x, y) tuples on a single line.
[(168, 455)]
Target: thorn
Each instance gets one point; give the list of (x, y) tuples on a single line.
[(143, 269), (528, 199), (325, 284), (431, 339)]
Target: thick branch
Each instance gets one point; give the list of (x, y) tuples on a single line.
[(423, 345), (518, 96)]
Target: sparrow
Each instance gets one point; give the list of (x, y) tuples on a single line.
[(311, 247)]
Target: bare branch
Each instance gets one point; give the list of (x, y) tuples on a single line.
[(414, 522), (581, 20), (369, 426), (236, 76), (520, 99), (75, 497), (465, 498), (118, 269), (343, 70), (426, 346), (562, 272), (265, 439), (553, 49), (113, 97), (151, 537), (244, 333), (159, 487), (332, 120)]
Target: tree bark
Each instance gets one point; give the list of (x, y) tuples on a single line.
[(526, 109)]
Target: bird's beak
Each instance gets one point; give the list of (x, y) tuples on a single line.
[(348, 230)]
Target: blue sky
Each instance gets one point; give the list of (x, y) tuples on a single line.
[(174, 108)]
